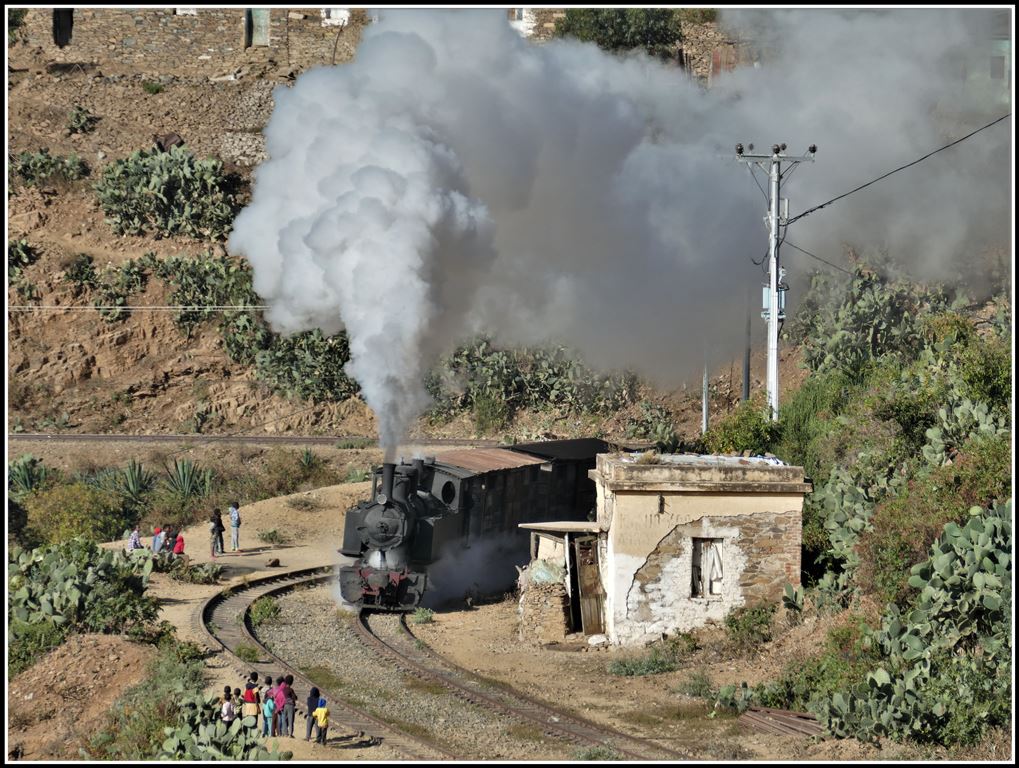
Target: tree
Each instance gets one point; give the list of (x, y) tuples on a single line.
[(655, 30)]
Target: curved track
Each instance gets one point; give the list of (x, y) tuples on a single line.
[(225, 622), (418, 659), (243, 439)]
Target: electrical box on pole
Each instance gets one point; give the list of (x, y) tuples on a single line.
[(774, 291)]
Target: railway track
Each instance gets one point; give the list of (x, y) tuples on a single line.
[(224, 621), (419, 660), (242, 439)]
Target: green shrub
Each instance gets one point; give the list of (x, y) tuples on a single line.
[(15, 20), (247, 652), (81, 274), (661, 657), (151, 87), (31, 641), (749, 627), (423, 616), (491, 413), (116, 285), (654, 423), (75, 509), (207, 281), (808, 417), (357, 475), (167, 193), (167, 716), (592, 754), (19, 255), (986, 369), (263, 610), (80, 120), (699, 686), (206, 573), (501, 381), (846, 326), (38, 167), (747, 428), (355, 442), (945, 674), (654, 30), (308, 365), (76, 587), (273, 537), (906, 526)]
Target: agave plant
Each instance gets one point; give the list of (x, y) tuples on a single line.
[(25, 474), (135, 482), (187, 480)]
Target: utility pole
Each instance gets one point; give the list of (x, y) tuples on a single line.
[(704, 398), (746, 360), (774, 303)]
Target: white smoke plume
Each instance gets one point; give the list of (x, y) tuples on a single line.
[(455, 178)]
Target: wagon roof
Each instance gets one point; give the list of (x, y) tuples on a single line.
[(487, 459)]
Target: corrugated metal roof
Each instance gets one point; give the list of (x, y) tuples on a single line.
[(584, 448), (487, 459)]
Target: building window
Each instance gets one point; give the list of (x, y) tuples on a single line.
[(186, 11), (706, 573), (335, 17)]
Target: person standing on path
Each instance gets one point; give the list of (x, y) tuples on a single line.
[(235, 525), (322, 721), (281, 702), (268, 716), (310, 706), (157, 540), (216, 529), (250, 706), (228, 712), (289, 707)]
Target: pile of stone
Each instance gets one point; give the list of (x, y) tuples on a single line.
[(544, 613)]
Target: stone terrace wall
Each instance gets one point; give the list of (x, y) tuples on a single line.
[(210, 43)]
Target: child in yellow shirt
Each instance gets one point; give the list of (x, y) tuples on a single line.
[(321, 716)]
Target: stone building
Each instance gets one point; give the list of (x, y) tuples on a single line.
[(678, 543), (706, 50), (203, 41)]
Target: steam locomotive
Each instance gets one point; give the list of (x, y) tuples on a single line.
[(428, 510)]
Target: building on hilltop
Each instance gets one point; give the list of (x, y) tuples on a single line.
[(195, 41)]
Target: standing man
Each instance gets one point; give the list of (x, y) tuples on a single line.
[(235, 525)]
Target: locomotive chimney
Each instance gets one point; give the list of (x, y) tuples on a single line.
[(388, 470)]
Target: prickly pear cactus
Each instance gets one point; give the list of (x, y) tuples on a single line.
[(947, 669)]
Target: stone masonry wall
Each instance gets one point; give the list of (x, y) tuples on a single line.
[(159, 41), (544, 613), (760, 554)]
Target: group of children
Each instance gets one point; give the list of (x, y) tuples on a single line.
[(166, 539), (276, 703)]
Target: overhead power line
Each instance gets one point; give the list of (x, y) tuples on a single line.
[(825, 261), (138, 308), (901, 168)]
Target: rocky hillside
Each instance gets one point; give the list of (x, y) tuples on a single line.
[(71, 370)]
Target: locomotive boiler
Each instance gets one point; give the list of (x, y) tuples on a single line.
[(429, 510)]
